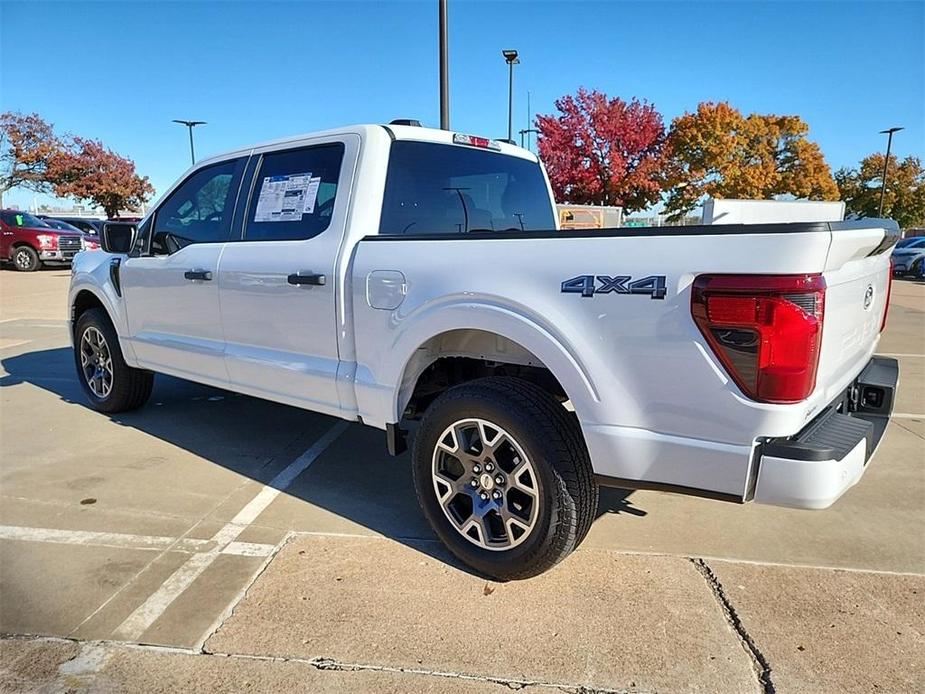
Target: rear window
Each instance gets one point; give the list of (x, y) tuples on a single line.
[(448, 189)]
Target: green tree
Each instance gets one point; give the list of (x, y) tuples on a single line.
[(904, 199)]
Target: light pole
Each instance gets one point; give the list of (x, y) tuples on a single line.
[(191, 124), (524, 132), (886, 164), (510, 57), (444, 72)]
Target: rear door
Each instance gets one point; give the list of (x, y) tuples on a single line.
[(170, 283), (277, 281)]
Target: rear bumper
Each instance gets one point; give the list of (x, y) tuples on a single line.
[(816, 466)]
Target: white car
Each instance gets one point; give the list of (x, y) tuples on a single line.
[(909, 257), (387, 274)]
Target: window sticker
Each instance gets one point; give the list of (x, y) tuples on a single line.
[(310, 195), (283, 198)]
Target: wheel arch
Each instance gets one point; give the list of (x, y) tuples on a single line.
[(497, 338)]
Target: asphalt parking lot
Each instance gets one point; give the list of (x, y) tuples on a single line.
[(213, 541)]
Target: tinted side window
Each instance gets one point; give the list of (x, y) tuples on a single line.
[(294, 193), (443, 189), (200, 210)]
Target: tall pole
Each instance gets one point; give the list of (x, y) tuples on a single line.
[(191, 124), (510, 101), (192, 152), (444, 72), (510, 56), (886, 164)]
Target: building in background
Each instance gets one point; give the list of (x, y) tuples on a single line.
[(589, 216)]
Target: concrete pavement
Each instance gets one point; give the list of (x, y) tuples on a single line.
[(218, 532)]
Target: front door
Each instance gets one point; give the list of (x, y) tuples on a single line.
[(171, 284), (278, 282)]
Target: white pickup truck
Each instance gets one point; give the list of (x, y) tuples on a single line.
[(388, 274)]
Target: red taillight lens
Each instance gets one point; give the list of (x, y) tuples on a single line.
[(765, 329), (889, 290)]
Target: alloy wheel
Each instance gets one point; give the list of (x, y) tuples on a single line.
[(96, 362), (486, 485)]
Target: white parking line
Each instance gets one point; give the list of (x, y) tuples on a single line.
[(145, 614), (98, 539), (905, 415), (154, 543), (894, 354)]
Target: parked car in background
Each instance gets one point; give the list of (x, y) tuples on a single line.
[(59, 224), (85, 224), (28, 242), (909, 257)]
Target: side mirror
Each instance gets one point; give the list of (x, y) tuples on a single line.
[(118, 237)]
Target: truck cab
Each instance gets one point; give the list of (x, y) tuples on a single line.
[(391, 274)]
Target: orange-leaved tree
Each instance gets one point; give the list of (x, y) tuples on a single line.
[(718, 152), (27, 144), (88, 170), (603, 151)]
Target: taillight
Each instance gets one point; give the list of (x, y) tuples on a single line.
[(765, 329), (889, 290)]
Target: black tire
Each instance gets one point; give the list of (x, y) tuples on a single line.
[(918, 269), (25, 259), (129, 388), (552, 441)]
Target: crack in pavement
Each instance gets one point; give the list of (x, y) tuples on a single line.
[(94, 654), (759, 662)]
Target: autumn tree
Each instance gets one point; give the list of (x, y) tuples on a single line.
[(718, 152), (27, 144), (904, 198), (603, 151), (88, 170)]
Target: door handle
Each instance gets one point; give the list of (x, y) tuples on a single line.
[(299, 278), (204, 275)]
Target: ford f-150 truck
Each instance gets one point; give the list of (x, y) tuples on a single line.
[(414, 280), (28, 242)]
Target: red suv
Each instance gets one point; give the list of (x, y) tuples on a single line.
[(28, 242)]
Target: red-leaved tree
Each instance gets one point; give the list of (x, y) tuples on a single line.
[(603, 151), (87, 170)]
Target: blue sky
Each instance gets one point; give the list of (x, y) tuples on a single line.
[(256, 71)]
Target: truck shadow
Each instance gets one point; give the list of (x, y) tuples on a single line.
[(354, 479)]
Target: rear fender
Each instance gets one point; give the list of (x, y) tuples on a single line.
[(542, 341)]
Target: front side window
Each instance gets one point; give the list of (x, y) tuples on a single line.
[(436, 188), (200, 210), (294, 193)]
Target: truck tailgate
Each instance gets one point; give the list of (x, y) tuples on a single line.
[(857, 275)]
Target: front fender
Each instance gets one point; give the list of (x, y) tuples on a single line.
[(90, 272)]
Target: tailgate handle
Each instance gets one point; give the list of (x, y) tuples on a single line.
[(299, 278)]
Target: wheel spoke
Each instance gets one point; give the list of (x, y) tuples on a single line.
[(522, 478)]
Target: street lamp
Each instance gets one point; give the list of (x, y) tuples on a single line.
[(510, 57), (524, 132), (886, 163), (191, 124)]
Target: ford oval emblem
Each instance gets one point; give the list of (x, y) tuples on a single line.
[(868, 296)]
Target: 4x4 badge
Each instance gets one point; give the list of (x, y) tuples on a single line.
[(654, 285)]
